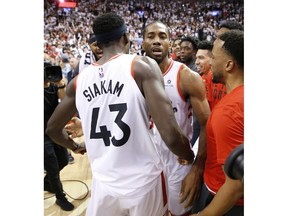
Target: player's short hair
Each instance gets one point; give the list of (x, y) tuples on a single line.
[(234, 45), (157, 21), (205, 45), (108, 27), (193, 40)]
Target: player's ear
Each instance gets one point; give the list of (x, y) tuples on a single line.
[(126, 38), (126, 42), (229, 65), (170, 44)]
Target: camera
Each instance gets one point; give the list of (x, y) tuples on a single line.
[(52, 73), (234, 165)]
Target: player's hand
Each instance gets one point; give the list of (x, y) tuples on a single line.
[(81, 149), (74, 128), (191, 186)]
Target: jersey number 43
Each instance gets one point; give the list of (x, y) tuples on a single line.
[(106, 134)]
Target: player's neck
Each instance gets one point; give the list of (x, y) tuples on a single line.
[(234, 82), (109, 53), (164, 65)]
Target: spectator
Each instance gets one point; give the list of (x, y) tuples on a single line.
[(74, 64), (175, 54), (183, 19), (66, 68)]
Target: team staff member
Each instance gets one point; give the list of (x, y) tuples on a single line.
[(114, 98), (225, 129), (214, 91), (55, 156)]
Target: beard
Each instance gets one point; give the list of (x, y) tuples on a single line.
[(217, 78), (157, 59)]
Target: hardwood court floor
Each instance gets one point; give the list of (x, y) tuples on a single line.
[(71, 176)]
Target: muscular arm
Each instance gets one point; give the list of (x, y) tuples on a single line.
[(150, 81), (62, 114), (192, 86), (227, 196)]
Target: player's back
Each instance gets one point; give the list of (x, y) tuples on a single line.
[(115, 122)]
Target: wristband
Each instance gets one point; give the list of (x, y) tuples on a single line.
[(62, 87)]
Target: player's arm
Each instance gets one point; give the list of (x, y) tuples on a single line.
[(227, 196), (61, 115), (193, 87), (150, 81), (61, 89)]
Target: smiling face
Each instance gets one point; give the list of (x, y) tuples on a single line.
[(176, 47), (156, 41), (96, 50), (202, 62)]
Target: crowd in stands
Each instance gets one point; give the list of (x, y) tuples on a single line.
[(67, 30)]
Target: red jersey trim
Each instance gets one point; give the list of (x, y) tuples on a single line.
[(178, 83), (164, 193), (132, 67), (168, 69)]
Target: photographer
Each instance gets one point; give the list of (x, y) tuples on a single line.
[(55, 156)]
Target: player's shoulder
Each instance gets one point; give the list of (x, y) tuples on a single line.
[(145, 66), (189, 73), (145, 59)]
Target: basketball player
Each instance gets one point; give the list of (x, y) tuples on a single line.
[(185, 88), (93, 55), (115, 97)]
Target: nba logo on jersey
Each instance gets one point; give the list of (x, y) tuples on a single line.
[(101, 74)]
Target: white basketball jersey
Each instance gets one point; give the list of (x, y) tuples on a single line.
[(173, 171), (87, 59), (115, 122), (181, 108)]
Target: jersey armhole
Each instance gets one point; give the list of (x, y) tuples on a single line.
[(132, 67), (178, 83)]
